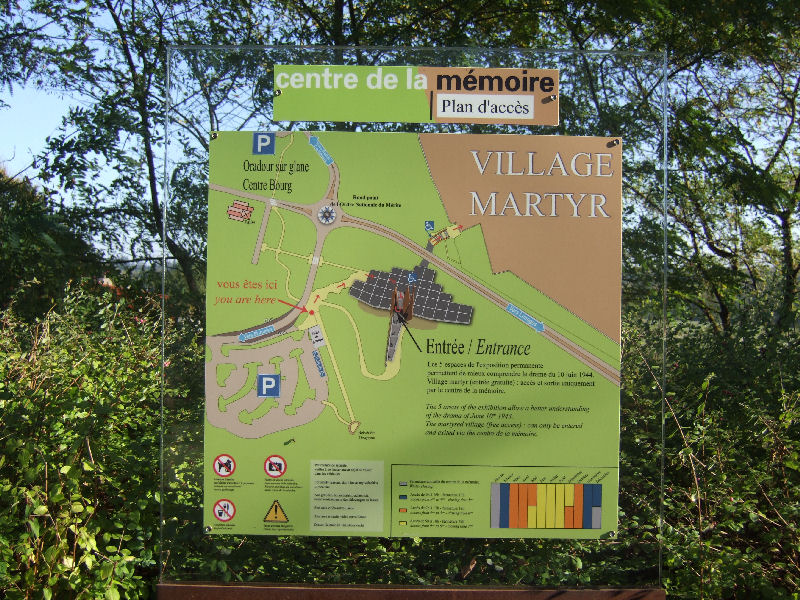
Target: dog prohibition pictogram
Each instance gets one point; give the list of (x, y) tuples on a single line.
[(224, 465), (275, 514)]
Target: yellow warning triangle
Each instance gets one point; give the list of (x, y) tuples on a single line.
[(275, 514)]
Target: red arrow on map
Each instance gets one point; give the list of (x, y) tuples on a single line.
[(301, 309), (460, 227), (371, 276), (340, 285), (317, 298)]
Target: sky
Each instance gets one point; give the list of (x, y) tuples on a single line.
[(32, 115)]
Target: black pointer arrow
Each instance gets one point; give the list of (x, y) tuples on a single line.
[(403, 321)]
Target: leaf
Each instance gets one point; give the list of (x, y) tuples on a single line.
[(107, 570), (51, 553)]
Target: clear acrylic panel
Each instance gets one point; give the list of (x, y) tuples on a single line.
[(605, 94)]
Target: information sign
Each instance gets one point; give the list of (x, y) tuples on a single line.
[(426, 327), (523, 96)]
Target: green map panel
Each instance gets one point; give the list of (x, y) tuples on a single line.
[(365, 421)]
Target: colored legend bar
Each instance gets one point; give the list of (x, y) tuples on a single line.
[(546, 505)]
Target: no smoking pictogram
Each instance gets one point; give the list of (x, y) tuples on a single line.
[(224, 510), (275, 466), (224, 465)]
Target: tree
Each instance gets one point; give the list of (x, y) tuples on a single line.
[(17, 37), (39, 254), (113, 54)]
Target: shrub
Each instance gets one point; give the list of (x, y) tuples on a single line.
[(79, 450)]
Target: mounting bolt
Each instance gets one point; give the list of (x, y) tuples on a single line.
[(278, 92), (207, 529), (214, 135)]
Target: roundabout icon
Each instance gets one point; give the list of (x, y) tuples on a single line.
[(326, 215)]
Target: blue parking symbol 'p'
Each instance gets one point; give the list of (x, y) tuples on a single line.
[(263, 142), (268, 386)]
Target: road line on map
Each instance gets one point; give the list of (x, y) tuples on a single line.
[(336, 368), (261, 232), (335, 411), (278, 251), (386, 375)]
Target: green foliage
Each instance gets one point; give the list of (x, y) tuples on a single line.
[(733, 478), (17, 37), (79, 412), (39, 253), (79, 471), (732, 475)]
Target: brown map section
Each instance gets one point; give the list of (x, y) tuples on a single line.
[(575, 260)]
